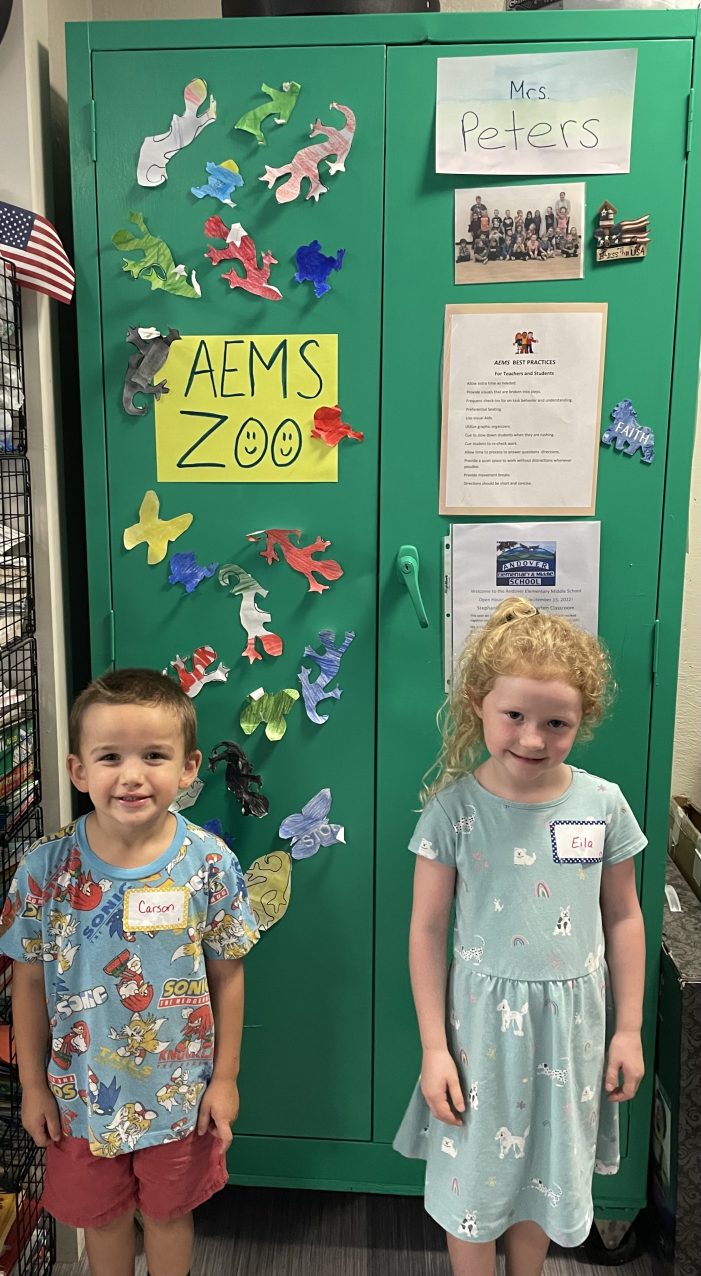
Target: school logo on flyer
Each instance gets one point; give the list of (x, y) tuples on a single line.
[(521, 566)]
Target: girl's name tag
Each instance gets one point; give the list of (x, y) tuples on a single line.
[(161, 908), (577, 841)]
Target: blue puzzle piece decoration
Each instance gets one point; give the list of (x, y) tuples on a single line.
[(329, 662), (314, 267), (222, 180), (628, 435), (185, 570), (215, 826)]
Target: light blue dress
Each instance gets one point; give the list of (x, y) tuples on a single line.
[(527, 1008)]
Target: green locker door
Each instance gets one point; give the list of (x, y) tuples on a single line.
[(307, 1044), (639, 356)]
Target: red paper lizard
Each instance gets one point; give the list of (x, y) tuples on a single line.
[(299, 557), (329, 427), (241, 247)]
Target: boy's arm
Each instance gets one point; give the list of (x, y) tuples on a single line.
[(30, 1022), (625, 954), (220, 1103)]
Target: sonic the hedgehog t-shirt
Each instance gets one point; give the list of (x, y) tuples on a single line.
[(123, 952)]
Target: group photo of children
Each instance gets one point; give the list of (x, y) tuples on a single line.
[(509, 233)]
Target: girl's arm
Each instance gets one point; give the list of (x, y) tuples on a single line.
[(30, 1020), (434, 888), (220, 1103), (625, 953)]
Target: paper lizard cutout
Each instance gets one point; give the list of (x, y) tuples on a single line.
[(193, 680), (252, 618), (142, 367), (186, 571), (222, 181), (306, 162), (239, 776), (157, 265), (282, 103), (329, 427), (241, 248), (272, 709), (154, 531), (314, 267), (329, 663), (158, 150), (299, 558)]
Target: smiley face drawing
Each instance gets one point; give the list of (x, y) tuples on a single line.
[(251, 443), (287, 443)]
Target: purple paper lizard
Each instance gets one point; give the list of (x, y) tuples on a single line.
[(329, 663)]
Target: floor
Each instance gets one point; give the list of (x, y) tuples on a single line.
[(266, 1232)]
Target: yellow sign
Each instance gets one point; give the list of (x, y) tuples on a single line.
[(241, 410)]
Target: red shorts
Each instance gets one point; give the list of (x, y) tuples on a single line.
[(163, 1182)]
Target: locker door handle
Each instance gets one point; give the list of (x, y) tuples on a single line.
[(408, 569)]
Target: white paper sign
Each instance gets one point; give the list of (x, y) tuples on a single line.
[(554, 565), (529, 113), (522, 392)]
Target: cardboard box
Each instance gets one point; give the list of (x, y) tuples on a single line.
[(685, 840), (675, 1170)]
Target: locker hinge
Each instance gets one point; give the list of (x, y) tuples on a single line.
[(111, 638), (689, 119), (93, 132), (655, 646)]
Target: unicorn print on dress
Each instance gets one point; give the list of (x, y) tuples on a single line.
[(498, 905), (587, 1094), (511, 1017), (508, 1141), (522, 857), (593, 960), (563, 925), (472, 1097), (448, 1146)]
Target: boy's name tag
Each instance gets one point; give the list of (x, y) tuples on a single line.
[(577, 841), (161, 908)]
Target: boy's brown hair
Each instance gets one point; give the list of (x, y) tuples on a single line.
[(135, 686)]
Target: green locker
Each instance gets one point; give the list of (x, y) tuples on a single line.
[(330, 1046)]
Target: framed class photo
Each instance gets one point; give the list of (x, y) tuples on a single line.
[(509, 234)]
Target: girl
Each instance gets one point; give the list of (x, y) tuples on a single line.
[(516, 1105)]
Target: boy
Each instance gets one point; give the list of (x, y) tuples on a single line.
[(128, 925)]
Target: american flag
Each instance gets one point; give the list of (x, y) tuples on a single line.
[(32, 244)]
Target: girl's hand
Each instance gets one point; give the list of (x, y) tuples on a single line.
[(218, 1110), (440, 1086), (625, 1055), (40, 1115)]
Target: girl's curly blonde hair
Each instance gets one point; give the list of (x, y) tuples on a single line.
[(517, 641)]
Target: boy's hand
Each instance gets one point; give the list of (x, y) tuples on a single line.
[(625, 1055), (40, 1115), (218, 1110), (440, 1086)]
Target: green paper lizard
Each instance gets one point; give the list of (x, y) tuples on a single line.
[(281, 105), (270, 709), (157, 264)]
